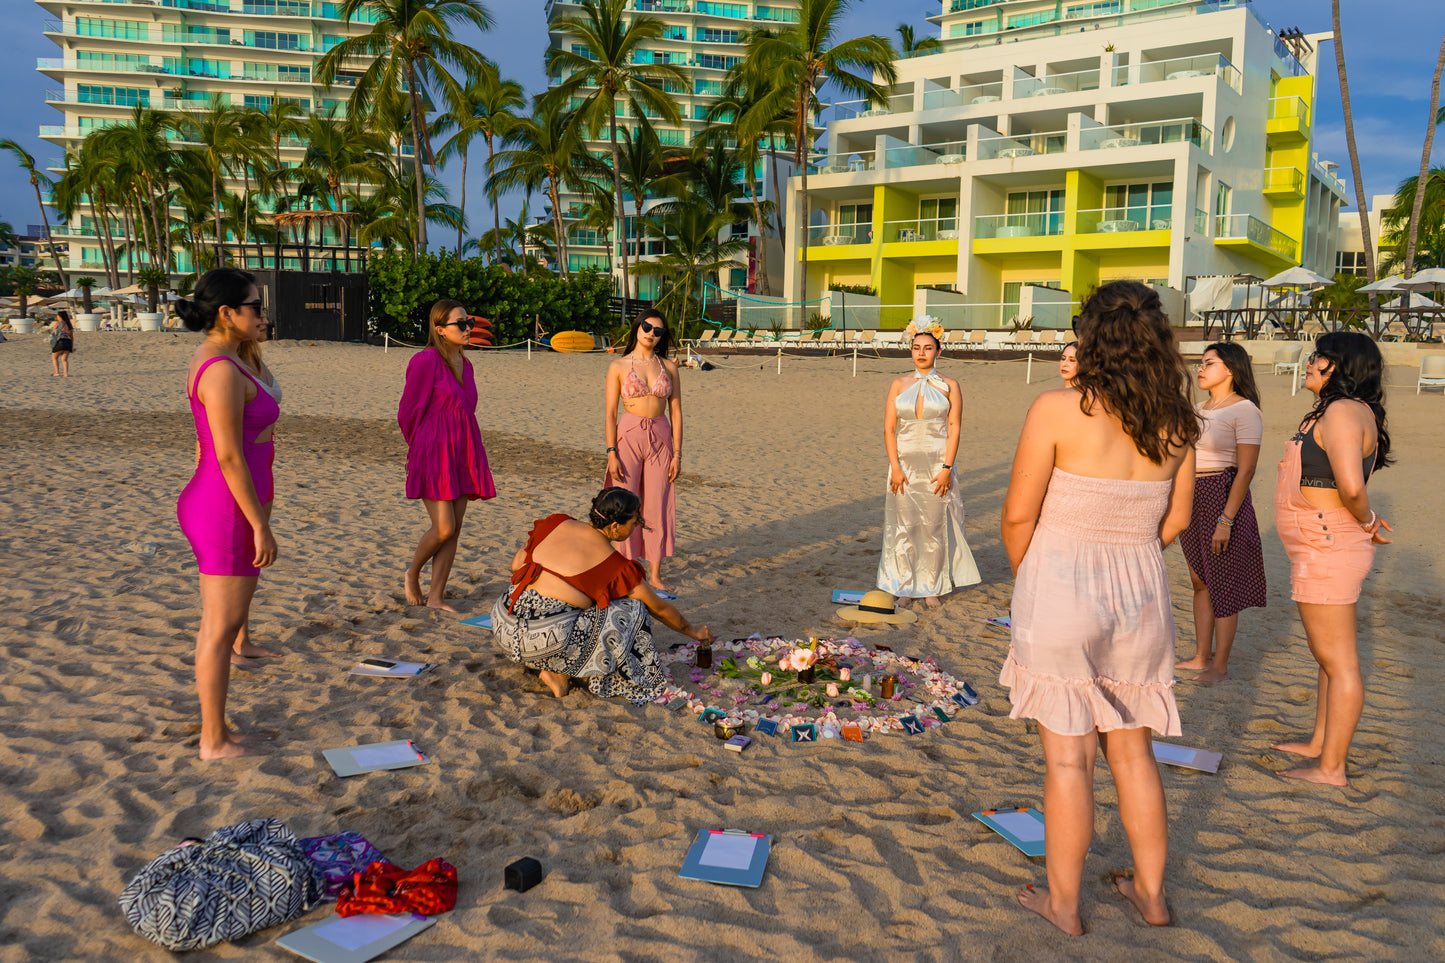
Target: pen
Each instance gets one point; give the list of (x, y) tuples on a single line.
[(419, 754)]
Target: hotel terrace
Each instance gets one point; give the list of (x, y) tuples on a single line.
[(1052, 147), (175, 55)]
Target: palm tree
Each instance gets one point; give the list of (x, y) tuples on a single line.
[(690, 232), (484, 111), (8, 237), (27, 164), (610, 71), (643, 164), (24, 281), (1369, 241), (338, 154), (281, 119), (909, 47), (148, 161), (220, 137), (510, 238), (1434, 121), (800, 58), (412, 45), (1401, 228), (546, 148), (597, 215)]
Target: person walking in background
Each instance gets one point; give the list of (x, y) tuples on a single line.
[(1221, 544), (1323, 517), (644, 442), (62, 343), (1102, 481), (925, 554), (225, 510), (446, 463)]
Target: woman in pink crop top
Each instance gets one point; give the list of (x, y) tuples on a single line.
[(1221, 544), (644, 443), (225, 510), (578, 609)]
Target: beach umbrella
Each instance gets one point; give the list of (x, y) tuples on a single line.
[(1412, 300), (1296, 277), (133, 289), (1391, 284), (1430, 279)]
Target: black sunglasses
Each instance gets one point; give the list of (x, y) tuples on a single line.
[(650, 328), (464, 323), (257, 304)]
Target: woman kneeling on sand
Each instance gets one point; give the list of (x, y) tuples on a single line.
[(579, 609)]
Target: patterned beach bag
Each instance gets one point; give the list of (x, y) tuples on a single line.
[(242, 879), (338, 858)]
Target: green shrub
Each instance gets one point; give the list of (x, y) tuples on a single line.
[(402, 291)]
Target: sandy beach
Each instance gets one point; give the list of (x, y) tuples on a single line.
[(875, 855)]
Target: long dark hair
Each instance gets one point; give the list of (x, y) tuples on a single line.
[(1129, 364), (1356, 372), (1241, 369), (218, 288), (614, 506), (664, 343)]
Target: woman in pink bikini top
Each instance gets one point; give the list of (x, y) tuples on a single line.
[(644, 441)]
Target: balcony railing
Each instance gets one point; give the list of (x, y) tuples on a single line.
[(1201, 222), (927, 155), (1056, 84), (1252, 228), (1125, 220), (922, 229), (830, 235), (1178, 68), (1184, 130), (1283, 107), (1284, 180), (1037, 224), (963, 96), (1022, 145), (843, 161)]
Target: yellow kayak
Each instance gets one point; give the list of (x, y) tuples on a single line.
[(572, 341)]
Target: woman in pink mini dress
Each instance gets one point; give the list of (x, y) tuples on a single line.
[(1102, 480), (446, 464), (644, 443)]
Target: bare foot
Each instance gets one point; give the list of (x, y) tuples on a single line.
[(441, 604), (902, 602), (229, 749), (1155, 911), (556, 681), (1036, 899), (412, 586), (1198, 663), (1316, 775), (1211, 676), (933, 601), (249, 651), (1299, 749), (657, 584), (241, 662)]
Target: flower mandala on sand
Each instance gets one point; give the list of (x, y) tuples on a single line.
[(757, 678)]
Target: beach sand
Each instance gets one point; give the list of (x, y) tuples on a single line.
[(875, 855)]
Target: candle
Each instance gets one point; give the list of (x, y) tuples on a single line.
[(766, 678), (887, 683), (868, 682), (845, 674), (832, 690)]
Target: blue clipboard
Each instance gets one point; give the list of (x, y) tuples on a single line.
[(1022, 827), (732, 857), (480, 621)]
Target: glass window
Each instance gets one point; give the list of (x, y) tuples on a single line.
[(1221, 199)]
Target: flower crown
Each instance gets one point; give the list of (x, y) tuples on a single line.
[(924, 324)]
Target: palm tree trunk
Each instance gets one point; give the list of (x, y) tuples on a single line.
[(621, 213), (800, 157), (45, 222), (496, 208), (1424, 165), (557, 228), (762, 250), (418, 117), (1365, 233), (777, 187), (216, 210), (130, 239), (99, 237), (463, 219)]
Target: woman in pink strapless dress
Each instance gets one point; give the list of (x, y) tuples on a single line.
[(644, 443), (1095, 494)]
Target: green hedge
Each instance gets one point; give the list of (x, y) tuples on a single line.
[(402, 292)]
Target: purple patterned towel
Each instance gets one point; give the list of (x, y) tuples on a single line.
[(337, 858)]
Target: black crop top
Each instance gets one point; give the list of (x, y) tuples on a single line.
[(1314, 461)]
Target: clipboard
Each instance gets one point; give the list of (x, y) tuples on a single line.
[(375, 757), (1004, 622), (1022, 827), (354, 939), (391, 669), (1184, 757), (732, 857), (848, 596), (480, 621)]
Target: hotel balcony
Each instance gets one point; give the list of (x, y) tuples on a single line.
[(1027, 225), (300, 9), (1249, 232), (1289, 122), (1284, 182)]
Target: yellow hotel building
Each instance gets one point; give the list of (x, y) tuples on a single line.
[(1052, 146)]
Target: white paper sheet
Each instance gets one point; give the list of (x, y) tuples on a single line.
[(1024, 826), (728, 851), (354, 932), (383, 755), (1167, 753)]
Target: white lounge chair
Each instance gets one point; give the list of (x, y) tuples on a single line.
[(1432, 372)]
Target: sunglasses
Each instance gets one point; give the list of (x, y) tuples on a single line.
[(465, 324), (256, 304), (651, 328)]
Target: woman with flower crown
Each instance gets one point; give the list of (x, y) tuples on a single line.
[(924, 552)]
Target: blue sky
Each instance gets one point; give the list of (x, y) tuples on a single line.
[(1390, 46)]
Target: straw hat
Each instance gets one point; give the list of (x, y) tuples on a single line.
[(877, 606)]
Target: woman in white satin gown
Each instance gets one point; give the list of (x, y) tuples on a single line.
[(924, 552)]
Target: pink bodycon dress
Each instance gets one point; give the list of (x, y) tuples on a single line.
[(210, 517)]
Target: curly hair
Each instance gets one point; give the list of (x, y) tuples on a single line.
[(1356, 372), (614, 506), (1130, 366)]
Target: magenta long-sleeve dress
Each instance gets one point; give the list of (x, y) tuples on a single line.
[(438, 418)]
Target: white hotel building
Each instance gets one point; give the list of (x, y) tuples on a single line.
[(1053, 146)]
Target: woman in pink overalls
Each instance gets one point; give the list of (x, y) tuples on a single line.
[(1323, 516)]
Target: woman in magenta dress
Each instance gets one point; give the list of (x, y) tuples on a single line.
[(225, 510), (446, 465)]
